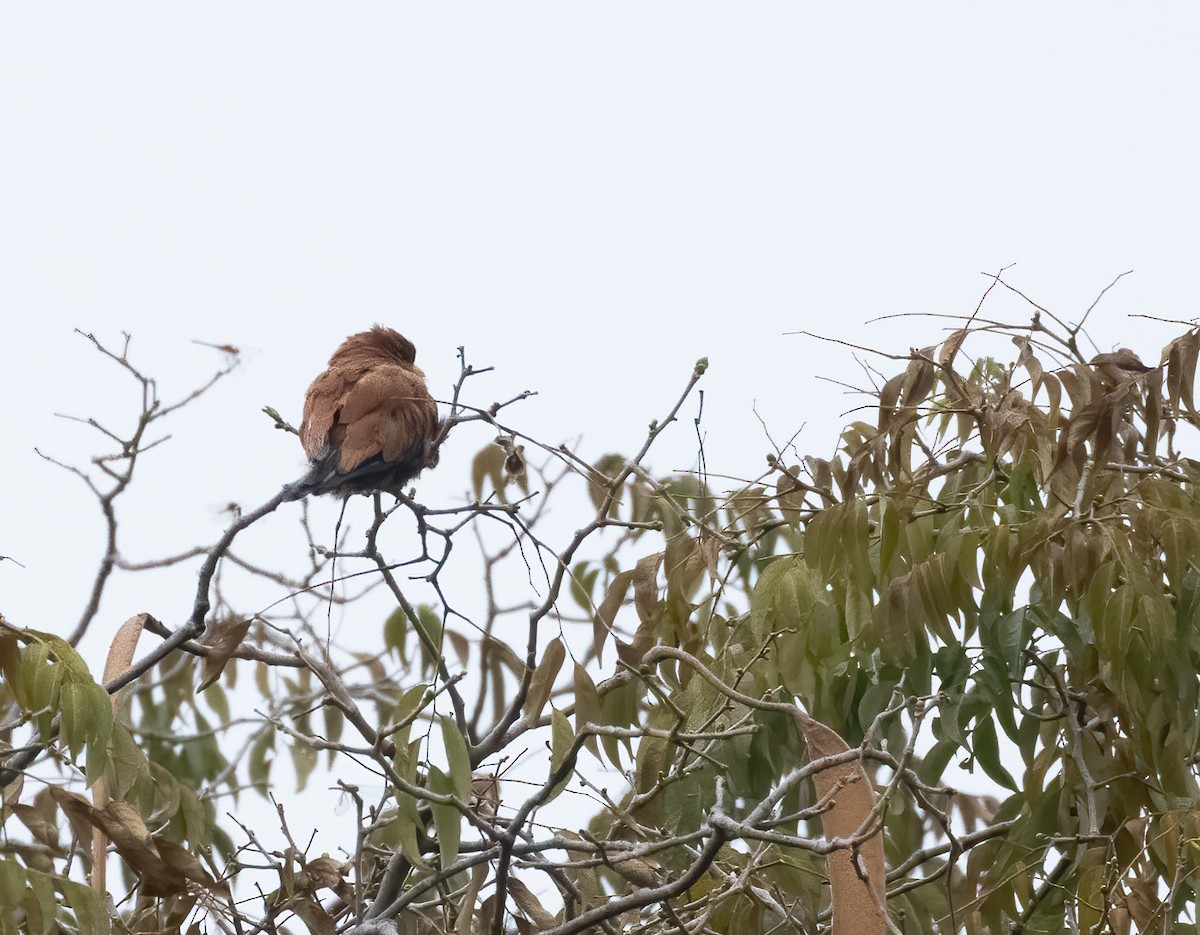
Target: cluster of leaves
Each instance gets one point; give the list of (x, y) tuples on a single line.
[(696, 711), (52, 685)]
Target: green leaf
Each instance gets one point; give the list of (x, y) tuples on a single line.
[(562, 739), (407, 826), (987, 753), (587, 707), (1093, 876), (217, 700), (91, 914), (12, 882), (583, 581), (304, 760), (406, 758), (79, 717), (195, 817), (395, 631), (260, 759), (458, 758), (606, 613), (335, 722), (10, 666), (167, 793), (40, 904), (446, 818), (42, 677), (889, 535), (605, 470), (127, 763), (412, 701)]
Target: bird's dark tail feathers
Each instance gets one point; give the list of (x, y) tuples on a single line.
[(373, 474)]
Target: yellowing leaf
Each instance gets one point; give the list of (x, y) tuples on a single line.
[(542, 682)]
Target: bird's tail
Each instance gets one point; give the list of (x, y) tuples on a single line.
[(323, 477)]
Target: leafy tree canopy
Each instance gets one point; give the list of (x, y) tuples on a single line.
[(701, 710)]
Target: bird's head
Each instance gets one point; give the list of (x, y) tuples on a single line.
[(379, 342)]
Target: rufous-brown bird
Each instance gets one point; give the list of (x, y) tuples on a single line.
[(369, 421)]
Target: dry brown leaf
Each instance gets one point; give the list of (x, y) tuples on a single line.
[(42, 826), (638, 872), (645, 587), (77, 809), (120, 658), (222, 640), (542, 682), (919, 378), (312, 914), (124, 645), (322, 873), (856, 875), (466, 905), (530, 905), (950, 347)]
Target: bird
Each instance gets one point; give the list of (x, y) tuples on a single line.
[(1120, 366), (369, 422)]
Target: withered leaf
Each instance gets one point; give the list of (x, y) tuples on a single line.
[(606, 613), (222, 640), (950, 347), (856, 877), (530, 905), (542, 682), (919, 378), (645, 587)]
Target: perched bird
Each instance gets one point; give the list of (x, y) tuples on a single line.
[(369, 421), (1121, 366)]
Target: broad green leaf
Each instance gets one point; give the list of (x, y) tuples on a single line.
[(412, 701), (446, 818), (395, 631), (167, 793), (587, 706), (194, 818), (304, 760), (217, 700), (11, 665), (582, 580), (86, 715), (260, 759), (40, 904), (606, 613), (562, 738), (407, 826), (127, 763), (91, 914), (12, 882), (987, 753), (458, 757)]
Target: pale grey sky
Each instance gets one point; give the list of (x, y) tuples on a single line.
[(588, 196)]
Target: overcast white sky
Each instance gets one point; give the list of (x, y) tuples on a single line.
[(587, 196)]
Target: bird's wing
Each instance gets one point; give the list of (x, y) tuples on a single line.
[(389, 412), (321, 404)]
